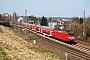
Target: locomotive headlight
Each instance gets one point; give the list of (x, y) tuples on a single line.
[(71, 37)]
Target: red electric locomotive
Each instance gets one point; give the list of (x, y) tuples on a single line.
[(66, 36)]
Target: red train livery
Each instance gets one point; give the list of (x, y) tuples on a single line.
[(65, 36)]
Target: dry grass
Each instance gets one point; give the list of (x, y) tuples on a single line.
[(13, 47)]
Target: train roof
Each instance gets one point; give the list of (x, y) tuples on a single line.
[(32, 24), (47, 27), (38, 25), (25, 23)]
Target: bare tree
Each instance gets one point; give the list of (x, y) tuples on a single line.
[(75, 19)]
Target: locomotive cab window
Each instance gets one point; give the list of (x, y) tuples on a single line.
[(70, 34), (58, 30)]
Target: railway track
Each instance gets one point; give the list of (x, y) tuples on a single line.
[(70, 51), (75, 50), (83, 43)]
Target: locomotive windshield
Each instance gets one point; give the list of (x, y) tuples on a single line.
[(58, 30), (70, 34)]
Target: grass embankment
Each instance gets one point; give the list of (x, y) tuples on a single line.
[(13, 47)]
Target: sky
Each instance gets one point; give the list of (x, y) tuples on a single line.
[(56, 8)]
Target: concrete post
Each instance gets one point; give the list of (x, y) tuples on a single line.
[(34, 41)]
